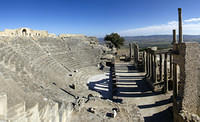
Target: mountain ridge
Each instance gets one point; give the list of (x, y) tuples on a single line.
[(158, 38)]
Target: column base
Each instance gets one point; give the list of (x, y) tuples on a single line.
[(156, 87)]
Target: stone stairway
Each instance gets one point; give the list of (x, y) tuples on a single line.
[(132, 89)]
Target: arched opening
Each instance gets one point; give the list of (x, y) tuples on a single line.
[(24, 32)]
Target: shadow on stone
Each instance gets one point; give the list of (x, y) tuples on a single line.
[(142, 89), (163, 116), (101, 87), (159, 103)]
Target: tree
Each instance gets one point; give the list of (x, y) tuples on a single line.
[(115, 39)]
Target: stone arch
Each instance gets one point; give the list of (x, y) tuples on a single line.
[(24, 32)]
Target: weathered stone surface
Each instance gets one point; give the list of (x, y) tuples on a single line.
[(188, 60), (26, 32), (45, 78), (3, 106)]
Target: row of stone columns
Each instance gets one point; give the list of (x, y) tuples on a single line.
[(167, 68), (159, 69)]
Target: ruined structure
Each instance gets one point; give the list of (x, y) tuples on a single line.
[(45, 78), (177, 69), (159, 69), (136, 52), (186, 64), (26, 32)]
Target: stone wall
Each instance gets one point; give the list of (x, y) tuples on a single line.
[(71, 35), (186, 89), (25, 32), (51, 111)]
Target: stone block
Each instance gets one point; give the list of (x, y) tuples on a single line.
[(3, 106)]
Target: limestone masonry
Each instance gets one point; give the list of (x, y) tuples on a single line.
[(44, 77), (27, 32), (73, 78)]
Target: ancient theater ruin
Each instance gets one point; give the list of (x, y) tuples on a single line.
[(73, 78), (44, 77)]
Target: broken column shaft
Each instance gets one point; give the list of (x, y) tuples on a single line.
[(174, 37), (180, 25)]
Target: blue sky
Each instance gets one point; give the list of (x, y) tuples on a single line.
[(100, 17)]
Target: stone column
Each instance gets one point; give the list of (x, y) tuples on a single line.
[(175, 81), (152, 63), (180, 25), (112, 85), (155, 69), (171, 67), (147, 61), (161, 68), (144, 59), (174, 37), (165, 74), (149, 76), (136, 52), (137, 47), (130, 49)]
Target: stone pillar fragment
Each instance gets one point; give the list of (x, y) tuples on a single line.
[(174, 37)]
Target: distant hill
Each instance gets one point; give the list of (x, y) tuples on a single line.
[(159, 38), (162, 41), (162, 38)]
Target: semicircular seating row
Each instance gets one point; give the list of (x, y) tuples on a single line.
[(71, 53), (32, 71)]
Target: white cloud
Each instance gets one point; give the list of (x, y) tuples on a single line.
[(192, 20), (189, 27), (173, 23)]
